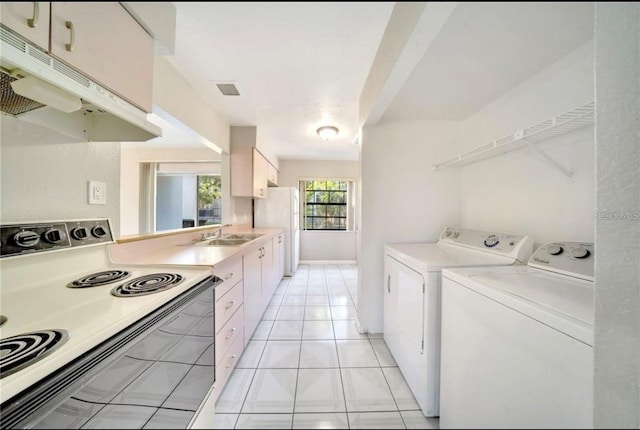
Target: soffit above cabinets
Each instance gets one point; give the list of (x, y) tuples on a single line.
[(484, 50)]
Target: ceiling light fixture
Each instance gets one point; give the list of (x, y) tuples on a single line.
[(327, 132)]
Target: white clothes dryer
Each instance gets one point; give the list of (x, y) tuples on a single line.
[(517, 342), (412, 298)]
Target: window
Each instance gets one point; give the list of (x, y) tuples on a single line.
[(325, 204), (179, 195)]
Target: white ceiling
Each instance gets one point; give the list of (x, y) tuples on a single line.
[(300, 65)]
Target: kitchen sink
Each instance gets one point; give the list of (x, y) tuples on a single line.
[(248, 236), (222, 241), (232, 239)]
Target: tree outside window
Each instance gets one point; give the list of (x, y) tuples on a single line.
[(209, 196)]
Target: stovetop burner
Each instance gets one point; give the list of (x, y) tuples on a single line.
[(100, 278), (147, 284), (3, 320), (18, 352)]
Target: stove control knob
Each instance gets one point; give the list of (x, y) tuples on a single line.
[(54, 235), (555, 249), (491, 241), (79, 233), (26, 239), (447, 233), (580, 252), (98, 231), (456, 234)]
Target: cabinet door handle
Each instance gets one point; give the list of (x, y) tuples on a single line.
[(233, 357), (72, 37), (33, 22), (228, 276), (231, 333), (230, 304), (389, 283)]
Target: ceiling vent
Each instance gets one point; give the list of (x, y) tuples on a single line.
[(228, 89)]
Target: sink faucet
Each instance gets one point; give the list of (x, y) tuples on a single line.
[(217, 232)]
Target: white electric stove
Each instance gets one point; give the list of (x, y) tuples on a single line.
[(517, 342), (412, 298), (69, 315)]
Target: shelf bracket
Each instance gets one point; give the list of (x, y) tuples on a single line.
[(549, 160)]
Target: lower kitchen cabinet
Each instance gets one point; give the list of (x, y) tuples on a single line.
[(228, 361), (252, 275), (228, 319), (250, 279), (278, 258), (260, 282)]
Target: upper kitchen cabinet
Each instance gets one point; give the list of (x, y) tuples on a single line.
[(28, 19), (272, 175), (249, 171), (106, 43)]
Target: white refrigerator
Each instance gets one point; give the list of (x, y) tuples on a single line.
[(281, 209)]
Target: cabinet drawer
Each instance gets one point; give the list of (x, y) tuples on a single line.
[(230, 271), (228, 334), (228, 363), (227, 305)]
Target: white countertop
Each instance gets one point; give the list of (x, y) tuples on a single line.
[(181, 249)]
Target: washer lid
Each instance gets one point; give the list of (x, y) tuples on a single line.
[(562, 302), (433, 257)]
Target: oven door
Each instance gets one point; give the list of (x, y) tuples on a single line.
[(155, 373)]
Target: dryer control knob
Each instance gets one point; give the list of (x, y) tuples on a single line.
[(555, 249), (456, 234), (447, 233), (580, 252)]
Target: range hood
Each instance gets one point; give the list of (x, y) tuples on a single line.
[(103, 116)]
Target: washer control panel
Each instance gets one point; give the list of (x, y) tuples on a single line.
[(569, 258), (510, 245), (34, 237)]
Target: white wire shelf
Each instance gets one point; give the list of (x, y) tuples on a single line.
[(567, 122)]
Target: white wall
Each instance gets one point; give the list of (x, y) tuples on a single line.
[(518, 192), (617, 297), (291, 171), (44, 177), (322, 245), (174, 95), (403, 199)]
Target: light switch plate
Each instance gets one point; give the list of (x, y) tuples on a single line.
[(97, 193)]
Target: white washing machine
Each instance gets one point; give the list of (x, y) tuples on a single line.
[(517, 342), (412, 298)]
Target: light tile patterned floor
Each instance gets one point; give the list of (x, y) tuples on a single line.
[(307, 366)]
